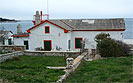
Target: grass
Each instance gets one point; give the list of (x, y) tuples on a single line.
[(105, 70), (3, 52), (31, 69)]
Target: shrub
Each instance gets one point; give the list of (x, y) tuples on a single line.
[(108, 47), (125, 47), (101, 36)]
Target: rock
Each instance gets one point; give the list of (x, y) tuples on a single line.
[(97, 56), (70, 62), (90, 60)]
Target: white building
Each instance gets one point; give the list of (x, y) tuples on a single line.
[(67, 34)]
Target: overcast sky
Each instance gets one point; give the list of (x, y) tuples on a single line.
[(61, 9)]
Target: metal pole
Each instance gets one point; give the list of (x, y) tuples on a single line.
[(47, 10)]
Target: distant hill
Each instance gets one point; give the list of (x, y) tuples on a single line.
[(7, 20)]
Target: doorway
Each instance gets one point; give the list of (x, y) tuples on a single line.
[(9, 42), (47, 45), (26, 43)]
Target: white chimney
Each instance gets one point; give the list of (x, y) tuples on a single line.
[(37, 18), (19, 29)]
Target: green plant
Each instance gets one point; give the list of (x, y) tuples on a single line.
[(108, 47), (2, 52), (101, 36), (125, 47)]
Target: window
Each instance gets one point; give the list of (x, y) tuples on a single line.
[(69, 44), (47, 30), (78, 43)]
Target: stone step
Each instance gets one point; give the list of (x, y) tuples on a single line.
[(56, 67)]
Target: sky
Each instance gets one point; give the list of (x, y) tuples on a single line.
[(66, 9)]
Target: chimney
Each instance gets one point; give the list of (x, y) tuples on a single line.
[(37, 18), (19, 29)]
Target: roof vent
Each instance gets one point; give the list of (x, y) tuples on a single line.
[(89, 21)]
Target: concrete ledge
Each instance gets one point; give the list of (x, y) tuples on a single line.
[(52, 53)]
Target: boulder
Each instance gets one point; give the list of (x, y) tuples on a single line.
[(97, 56)]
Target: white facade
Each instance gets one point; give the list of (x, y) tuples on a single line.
[(89, 37), (57, 36), (20, 40), (59, 39)]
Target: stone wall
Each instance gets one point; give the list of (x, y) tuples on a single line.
[(4, 57), (131, 51), (52, 53), (12, 48)]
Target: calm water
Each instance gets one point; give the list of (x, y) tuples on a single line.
[(129, 28), (26, 24), (12, 26)]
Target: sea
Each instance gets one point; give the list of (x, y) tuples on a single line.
[(26, 24)]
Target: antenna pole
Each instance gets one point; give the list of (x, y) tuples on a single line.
[(47, 10)]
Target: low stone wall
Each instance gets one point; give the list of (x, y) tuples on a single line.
[(52, 53), (131, 51), (11, 48), (4, 57)]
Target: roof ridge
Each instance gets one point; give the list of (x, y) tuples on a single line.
[(86, 18), (65, 30)]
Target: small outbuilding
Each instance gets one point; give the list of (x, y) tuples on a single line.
[(6, 37)]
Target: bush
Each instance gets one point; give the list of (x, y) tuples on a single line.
[(108, 47), (125, 47)]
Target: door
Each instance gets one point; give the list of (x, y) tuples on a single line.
[(78, 43), (47, 45), (26, 43), (9, 42)]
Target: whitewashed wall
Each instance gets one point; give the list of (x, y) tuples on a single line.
[(57, 35), (20, 40), (90, 35)]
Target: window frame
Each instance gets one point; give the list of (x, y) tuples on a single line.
[(50, 44), (48, 29)]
